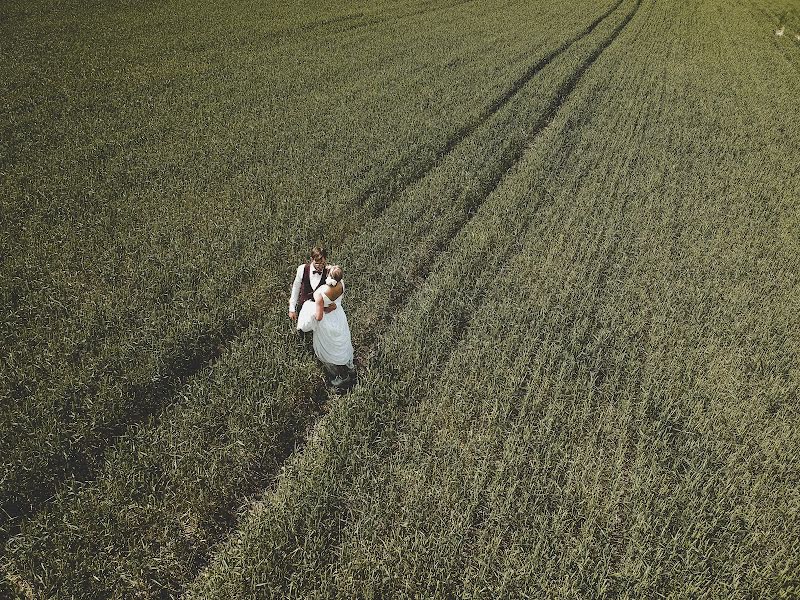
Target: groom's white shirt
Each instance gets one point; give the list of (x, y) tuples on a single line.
[(298, 278)]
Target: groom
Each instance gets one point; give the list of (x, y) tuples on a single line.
[(309, 277)]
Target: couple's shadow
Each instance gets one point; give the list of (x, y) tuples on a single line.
[(344, 387)]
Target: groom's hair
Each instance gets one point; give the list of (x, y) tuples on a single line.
[(318, 252)]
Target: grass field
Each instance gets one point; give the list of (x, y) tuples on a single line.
[(571, 239)]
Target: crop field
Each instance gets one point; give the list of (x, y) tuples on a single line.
[(570, 233)]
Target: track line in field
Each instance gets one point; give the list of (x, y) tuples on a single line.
[(391, 179), (441, 248), (559, 100), (461, 326), (186, 367)]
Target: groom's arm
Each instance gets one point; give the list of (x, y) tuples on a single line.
[(295, 295)]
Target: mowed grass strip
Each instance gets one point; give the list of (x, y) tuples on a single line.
[(151, 188), (633, 431), (143, 558)]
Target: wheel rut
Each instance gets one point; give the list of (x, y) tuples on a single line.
[(395, 179), (376, 198), (461, 326), (377, 201)]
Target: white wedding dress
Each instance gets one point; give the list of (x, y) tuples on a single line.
[(332, 341)]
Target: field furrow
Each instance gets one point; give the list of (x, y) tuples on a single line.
[(439, 226), (570, 247), (460, 495), (106, 394), (492, 109)]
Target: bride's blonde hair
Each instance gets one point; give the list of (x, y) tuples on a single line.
[(336, 273)]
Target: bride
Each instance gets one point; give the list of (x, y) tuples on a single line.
[(332, 342)]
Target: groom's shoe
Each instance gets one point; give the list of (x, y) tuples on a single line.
[(339, 381)]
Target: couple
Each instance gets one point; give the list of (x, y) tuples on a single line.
[(316, 288)]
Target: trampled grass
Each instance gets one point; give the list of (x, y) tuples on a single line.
[(570, 240)]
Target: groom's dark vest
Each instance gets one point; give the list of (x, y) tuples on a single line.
[(306, 291)]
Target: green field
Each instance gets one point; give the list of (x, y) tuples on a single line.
[(571, 239)]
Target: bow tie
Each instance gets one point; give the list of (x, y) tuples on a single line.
[(318, 272)]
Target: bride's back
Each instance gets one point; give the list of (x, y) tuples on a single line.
[(332, 292), (336, 291), (335, 274)]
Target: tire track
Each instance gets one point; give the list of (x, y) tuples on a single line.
[(461, 326), (420, 277), (516, 153), (183, 365), (394, 180), (187, 365)]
